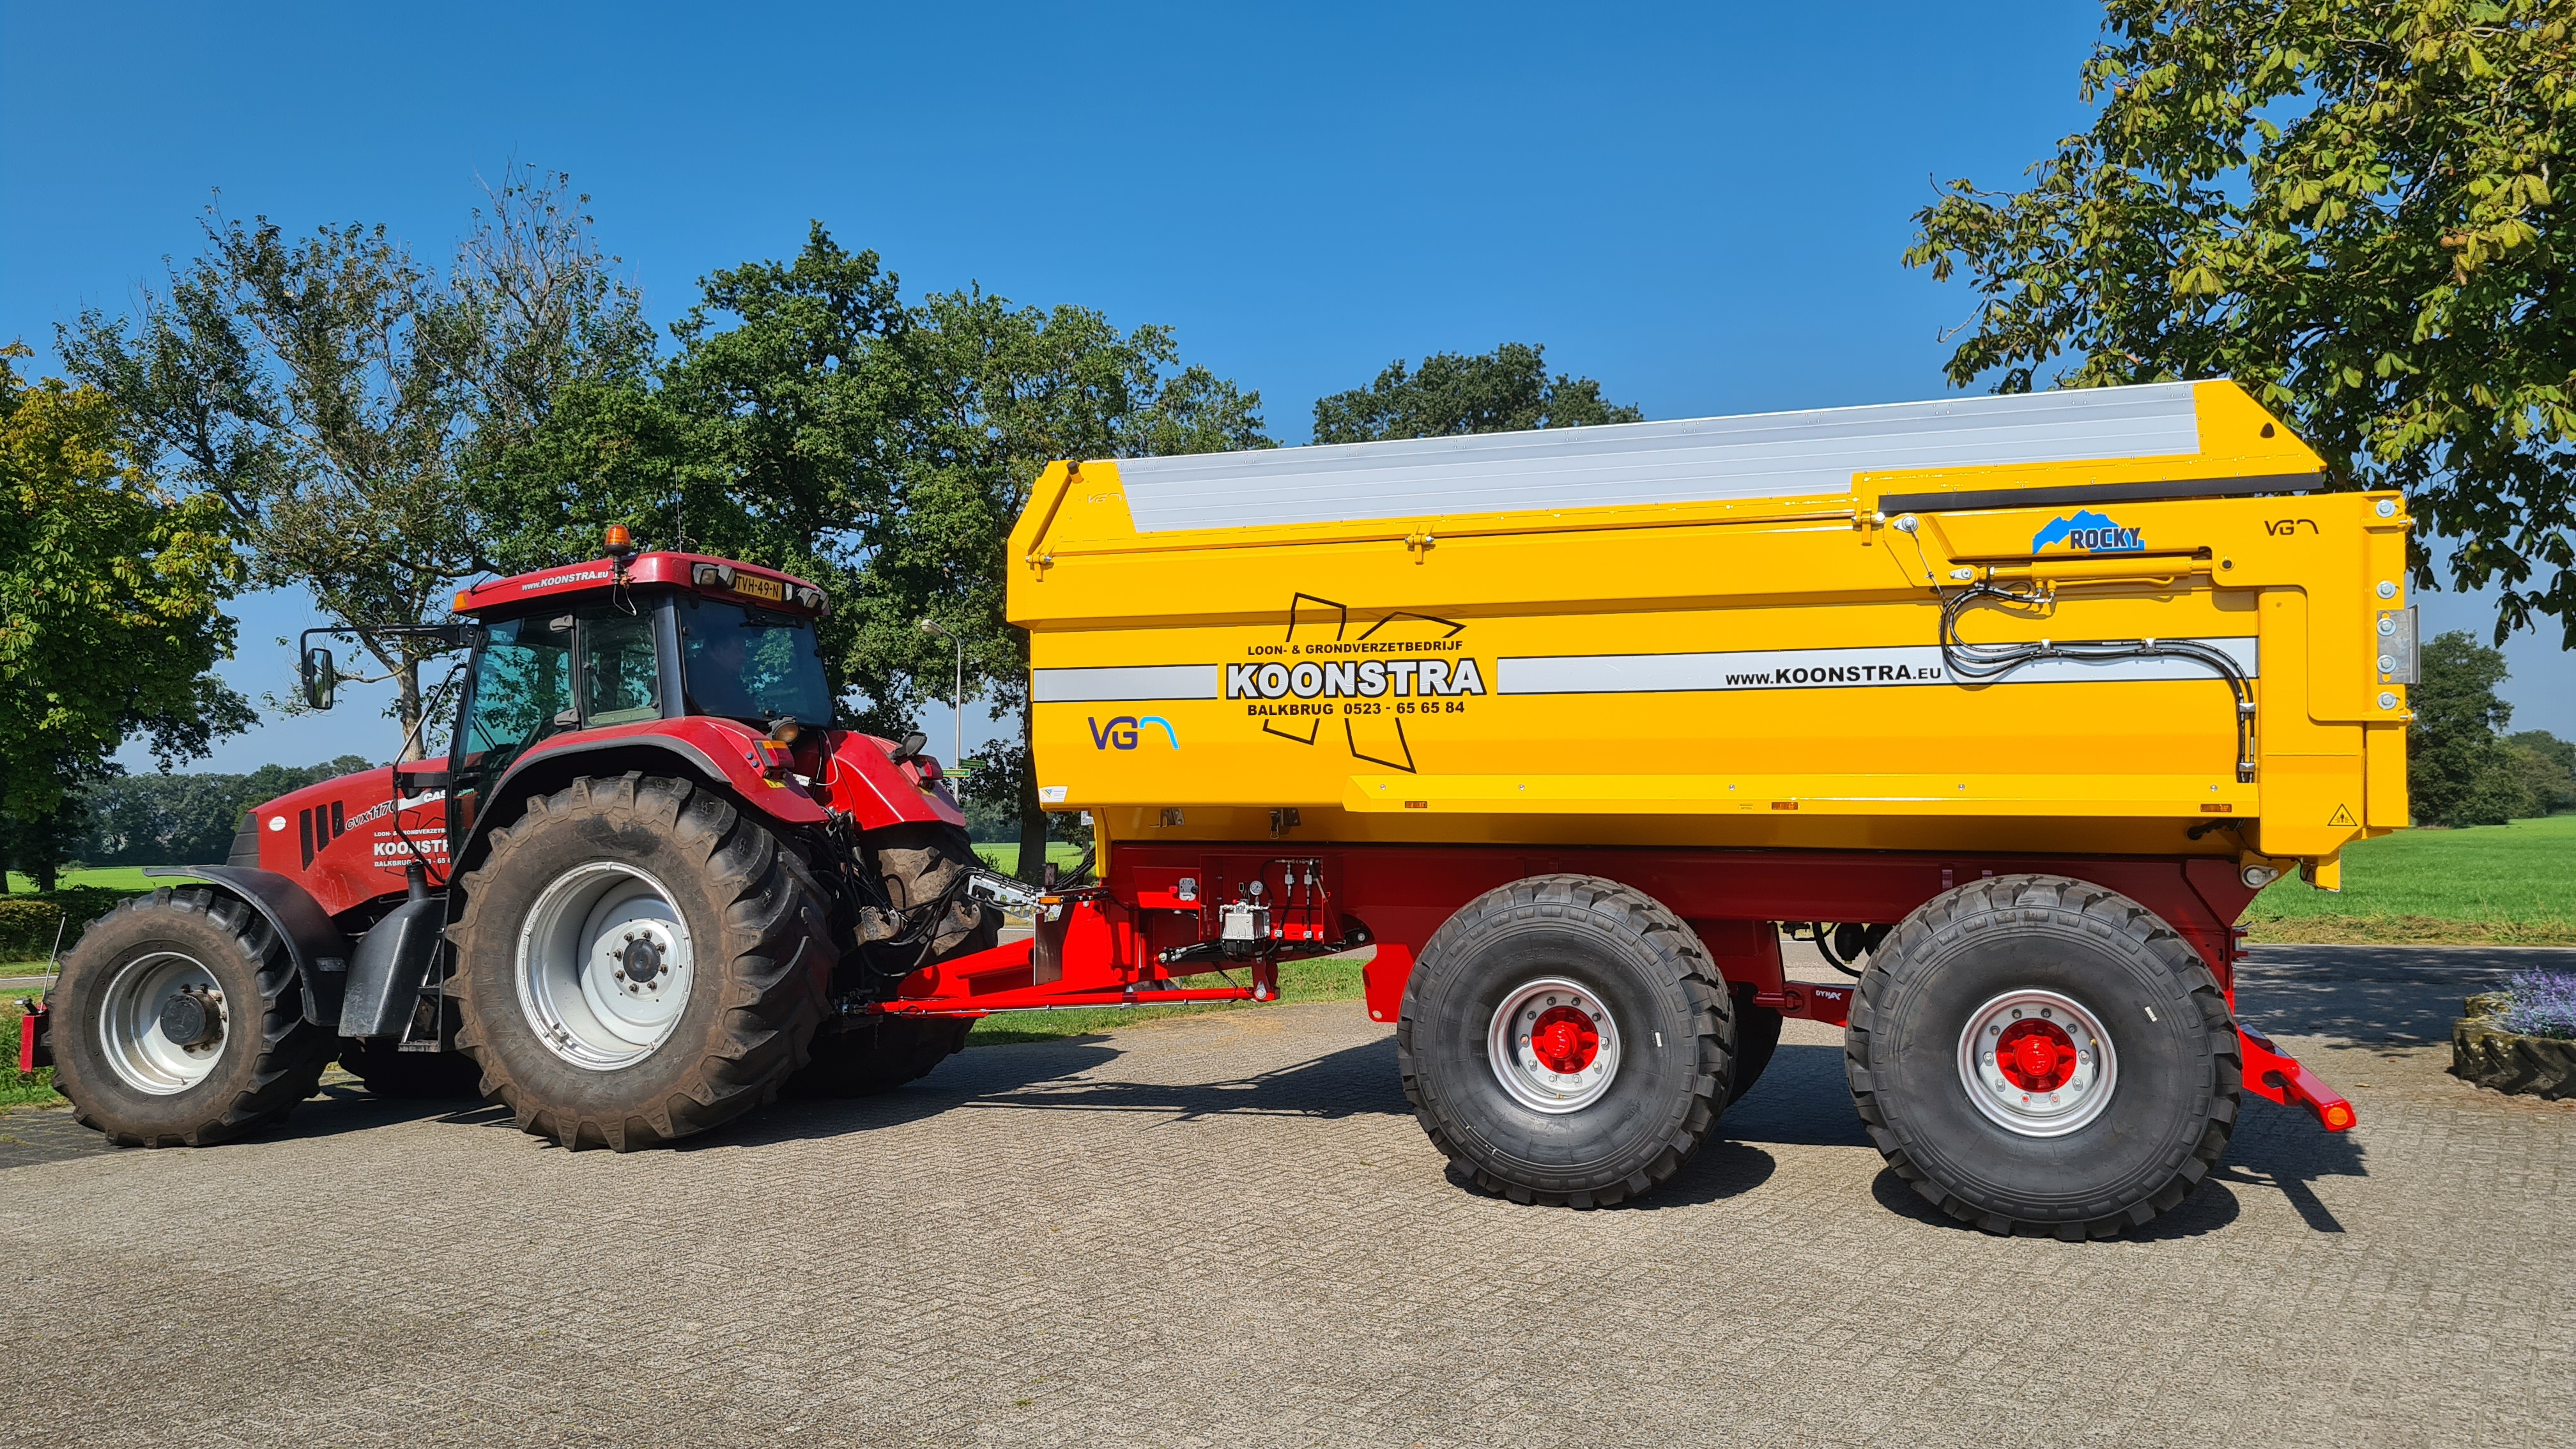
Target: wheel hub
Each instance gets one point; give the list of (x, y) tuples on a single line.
[(192, 1018), (604, 966), (162, 1021), (641, 961), (1564, 1040), (2037, 1063), (1554, 1046)]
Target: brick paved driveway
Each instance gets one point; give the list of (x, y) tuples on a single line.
[(1227, 1230)]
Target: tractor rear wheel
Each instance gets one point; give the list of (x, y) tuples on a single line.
[(855, 1056), (1566, 1041), (181, 1022), (2041, 1056), (638, 960)]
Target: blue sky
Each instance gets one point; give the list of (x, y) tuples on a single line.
[(1701, 206)]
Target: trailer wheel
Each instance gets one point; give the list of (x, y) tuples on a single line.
[(1566, 1040), (398, 1075), (857, 1056), (2037, 1055), (182, 1023), (1757, 1038), (638, 960)]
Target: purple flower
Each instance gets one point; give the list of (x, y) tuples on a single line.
[(2542, 1003)]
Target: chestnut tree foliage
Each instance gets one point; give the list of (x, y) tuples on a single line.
[(2355, 211), (110, 612), (810, 418), (1506, 390)]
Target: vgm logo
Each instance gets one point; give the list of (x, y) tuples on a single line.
[(1123, 732)]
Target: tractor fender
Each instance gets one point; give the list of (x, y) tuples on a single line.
[(714, 752), (863, 778), (319, 949)]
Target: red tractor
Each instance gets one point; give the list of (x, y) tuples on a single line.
[(651, 885)]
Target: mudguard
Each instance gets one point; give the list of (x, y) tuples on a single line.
[(392, 961), (318, 948)]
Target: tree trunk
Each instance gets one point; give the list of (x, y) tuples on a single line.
[(409, 707), (1033, 820)]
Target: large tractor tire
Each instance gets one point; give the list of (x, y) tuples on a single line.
[(180, 1022), (638, 960), (2041, 1056), (856, 1056), (1566, 1041), (397, 1075)]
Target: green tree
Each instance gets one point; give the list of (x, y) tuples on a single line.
[(175, 819), (109, 612), (2458, 769), (812, 420), (2348, 208), (1506, 390), (2545, 766), (1002, 391), (335, 397)]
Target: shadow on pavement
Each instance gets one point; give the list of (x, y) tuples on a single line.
[(1054, 1077), (2283, 1148), (2211, 1206), (2376, 995)]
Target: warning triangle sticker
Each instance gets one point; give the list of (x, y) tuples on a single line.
[(2342, 816)]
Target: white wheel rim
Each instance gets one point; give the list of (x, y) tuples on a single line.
[(575, 952), (1535, 1038), (141, 1053), (2037, 1063)]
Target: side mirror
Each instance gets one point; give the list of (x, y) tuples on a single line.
[(321, 678), (912, 745)]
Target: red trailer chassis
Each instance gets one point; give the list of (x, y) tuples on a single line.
[(1136, 935)]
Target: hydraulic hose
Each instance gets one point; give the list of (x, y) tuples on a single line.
[(1985, 663)]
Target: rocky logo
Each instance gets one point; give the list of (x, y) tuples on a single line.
[(2089, 532)]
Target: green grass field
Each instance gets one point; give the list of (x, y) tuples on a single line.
[(1333, 978), (17, 1089), (115, 878), (1006, 858), (2502, 884)]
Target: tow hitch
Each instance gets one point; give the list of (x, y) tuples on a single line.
[(2270, 1073), (34, 1051)]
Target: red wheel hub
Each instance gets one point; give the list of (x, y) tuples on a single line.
[(1565, 1040), (2036, 1056)]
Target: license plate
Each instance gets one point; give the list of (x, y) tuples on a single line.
[(762, 588)]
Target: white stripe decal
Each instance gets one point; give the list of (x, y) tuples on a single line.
[(1819, 669), (1117, 682)]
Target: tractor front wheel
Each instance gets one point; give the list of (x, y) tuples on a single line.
[(639, 960), (181, 1022)]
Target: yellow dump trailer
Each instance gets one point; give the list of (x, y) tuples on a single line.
[(1915, 669)]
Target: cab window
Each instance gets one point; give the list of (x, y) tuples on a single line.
[(620, 683), (751, 664), (522, 682)]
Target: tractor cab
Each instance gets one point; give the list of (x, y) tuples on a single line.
[(668, 636)]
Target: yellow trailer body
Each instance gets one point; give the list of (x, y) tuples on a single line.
[(1730, 632)]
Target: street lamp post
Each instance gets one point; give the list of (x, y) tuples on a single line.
[(957, 696)]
